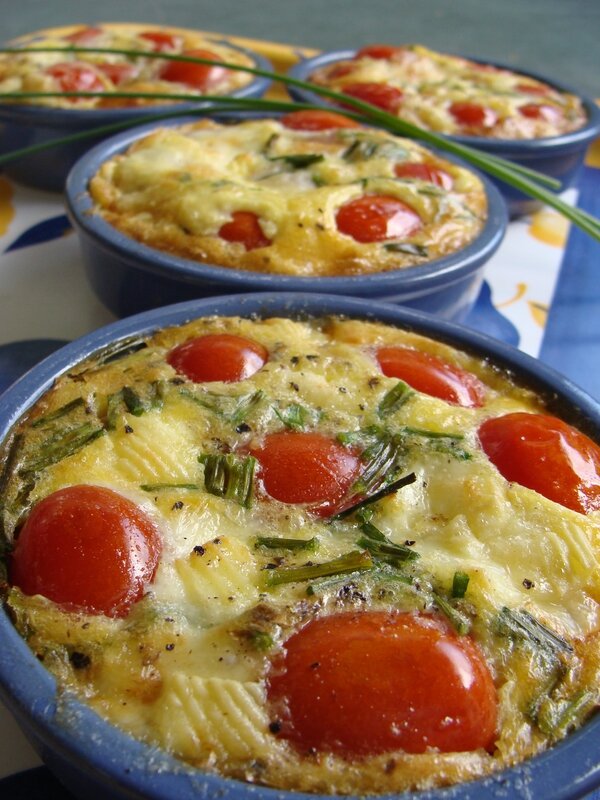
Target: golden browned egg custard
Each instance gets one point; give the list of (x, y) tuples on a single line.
[(319, 555), (77, 71), (310, 194), (453, 95)]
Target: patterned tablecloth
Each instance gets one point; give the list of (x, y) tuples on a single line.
[(541, 294)]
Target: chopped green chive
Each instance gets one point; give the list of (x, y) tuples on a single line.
[(281, 543), (460, 582), (229, 477), (354, 561), (78, 402), (522, 625), (394, 399)]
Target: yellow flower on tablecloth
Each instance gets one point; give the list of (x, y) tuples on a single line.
[(549, 227), (7, 209), (539, 312)]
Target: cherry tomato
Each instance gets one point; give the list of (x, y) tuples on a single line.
[(533, 88), (382, 95), (382, 51), (376, 217), (424, 172), (87, 548), (540, 111), (161, 42), (244, 228), (306, 468), (218, 357), (432, 375), (547, 455), (117, 73), (83, 35), (473, 115), (365, 683), (312, 119), (75, 77), (198, 76)]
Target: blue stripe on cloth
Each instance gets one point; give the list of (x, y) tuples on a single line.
[(45, 231), (571, 341)]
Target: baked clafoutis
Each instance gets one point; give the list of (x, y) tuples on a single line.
[(452, 94), (309, 194), (328, 554), (60, 72)]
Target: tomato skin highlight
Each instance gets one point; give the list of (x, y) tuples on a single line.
[(425, 172), (198, 76), (75, 77), (385, 52), (543, 453), (244, 228), (88, 549), (472, 115), (432, 375), (218, 357), (296, 467), (364, 683), (382, 95), (540, 111), (316, 120), (376, 217)]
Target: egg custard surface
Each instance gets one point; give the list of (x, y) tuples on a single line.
[(316, 540), (454, 95), (260, 195), (136, 70)]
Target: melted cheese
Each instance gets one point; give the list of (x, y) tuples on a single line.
[(174, 189), (186, 668), (430, 82)]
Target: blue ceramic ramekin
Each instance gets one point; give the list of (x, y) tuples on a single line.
[(29, 126), (560, 157), (98, 762), (130, 277)]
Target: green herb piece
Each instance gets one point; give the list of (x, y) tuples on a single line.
[(233, 408), (460, 582), (406, 429), (13, 452), (389, 489), (360, 150), (354, 561), (114, 408), (59, 413), (380, 466), (230, 477), (281, 543), (120, 349), (299, 160), (394, 399), (62, 445), (133, 402), (387, 551), (460, 622), (159, 487), (407, 248), (260, 640), (556, 718), (522, 625), (295, 416)]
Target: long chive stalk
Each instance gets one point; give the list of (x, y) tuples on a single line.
[(528, 181)]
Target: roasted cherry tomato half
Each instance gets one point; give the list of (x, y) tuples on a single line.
[(117, 73), (365, 683), (83, 35), (198, 76), (382, 95), (425, 172), (376, 217), (88, 549), (244, 228), (473, 115), (312, 119), (161, 42), (547, 455), (311, 468), (385, 52), (540, 111), (431, 375), (76, 77), (218, 357), (531, 88)]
